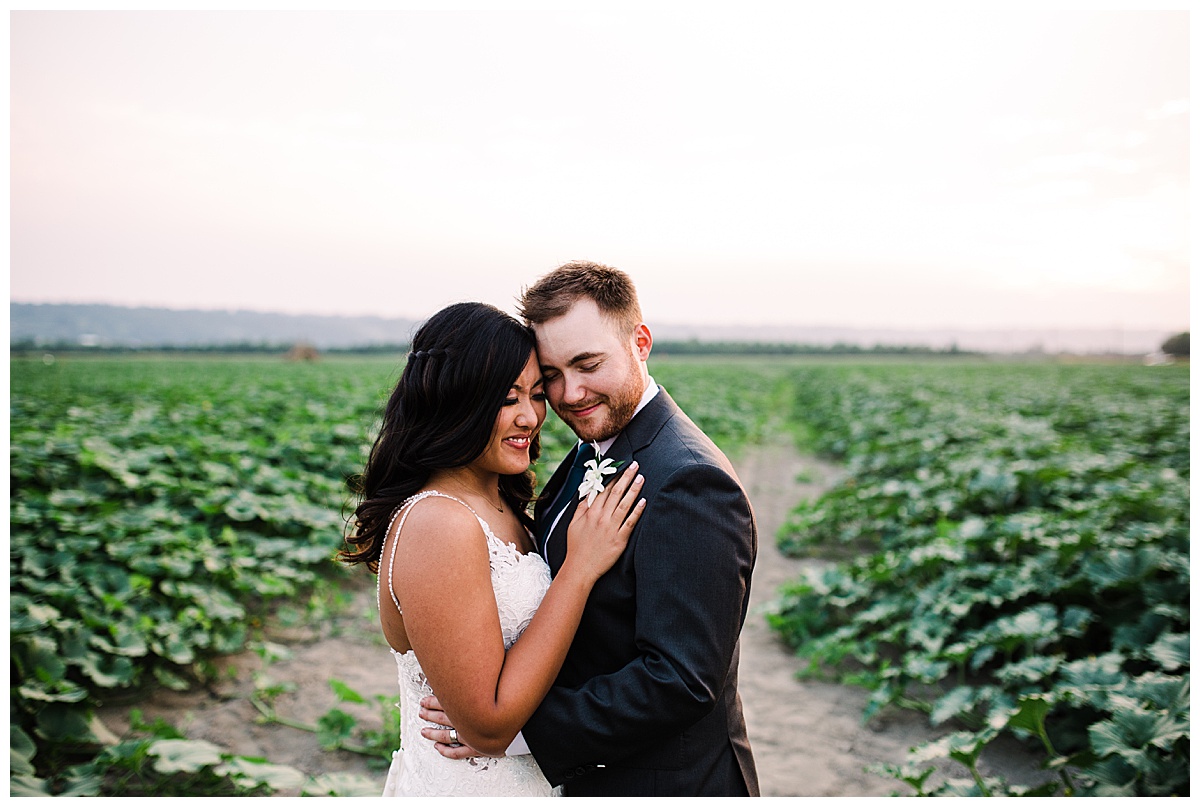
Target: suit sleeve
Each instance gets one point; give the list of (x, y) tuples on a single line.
[(692, 565)]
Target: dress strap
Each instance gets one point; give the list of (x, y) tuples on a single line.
[(402, 512)]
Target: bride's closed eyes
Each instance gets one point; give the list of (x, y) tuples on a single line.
[(514, 394), (537, 396)]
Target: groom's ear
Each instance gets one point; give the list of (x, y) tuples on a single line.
[(642, 341)]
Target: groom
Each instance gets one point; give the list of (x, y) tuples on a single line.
[(646, 702)]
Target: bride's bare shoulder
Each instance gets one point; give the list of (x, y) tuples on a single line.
[(439, 520)]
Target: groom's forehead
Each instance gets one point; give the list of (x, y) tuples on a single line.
[(581, 326), (566, 346)]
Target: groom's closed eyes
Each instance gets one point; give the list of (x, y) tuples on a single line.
[(586, 362)]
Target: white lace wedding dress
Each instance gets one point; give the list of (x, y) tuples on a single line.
[(519, 581)]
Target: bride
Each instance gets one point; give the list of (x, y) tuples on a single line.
[(446, 488)]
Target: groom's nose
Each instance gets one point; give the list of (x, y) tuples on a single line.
[(573, 389)]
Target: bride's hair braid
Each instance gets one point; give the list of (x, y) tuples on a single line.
[(441, 414)]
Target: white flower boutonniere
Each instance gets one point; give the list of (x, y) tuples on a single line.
[(593, 477)]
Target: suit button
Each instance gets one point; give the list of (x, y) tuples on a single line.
[(580, 771)]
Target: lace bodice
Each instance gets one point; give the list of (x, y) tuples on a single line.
[(519, 582)]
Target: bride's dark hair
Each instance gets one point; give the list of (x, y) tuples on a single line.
[(441, 414)]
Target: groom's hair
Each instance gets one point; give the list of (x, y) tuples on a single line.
[(611, 289)]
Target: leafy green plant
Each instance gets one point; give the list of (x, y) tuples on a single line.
[(164, 763), (336, 730)]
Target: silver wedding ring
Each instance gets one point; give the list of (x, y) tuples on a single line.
[(454, 737)]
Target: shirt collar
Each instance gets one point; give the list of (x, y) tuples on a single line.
[(647, 396)]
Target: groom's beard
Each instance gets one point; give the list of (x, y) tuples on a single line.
[(619, 409)]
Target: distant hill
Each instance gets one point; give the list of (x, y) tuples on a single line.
[(117, 326)]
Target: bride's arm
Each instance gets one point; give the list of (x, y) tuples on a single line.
[(441, 568)]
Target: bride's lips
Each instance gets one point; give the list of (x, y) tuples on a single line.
[(520, 442)]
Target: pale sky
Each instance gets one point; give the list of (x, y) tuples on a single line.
[(917, 167)]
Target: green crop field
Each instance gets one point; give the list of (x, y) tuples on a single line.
[(1016, 558), (1012, 545)]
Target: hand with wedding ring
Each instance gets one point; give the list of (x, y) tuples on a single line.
[(444, 736)]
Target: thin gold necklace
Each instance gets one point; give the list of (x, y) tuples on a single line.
[(499, 507)]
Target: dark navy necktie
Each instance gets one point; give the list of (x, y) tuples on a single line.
[(568, 493)]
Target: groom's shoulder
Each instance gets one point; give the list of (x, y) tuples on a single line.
[(682, 438)]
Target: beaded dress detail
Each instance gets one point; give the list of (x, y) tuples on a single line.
[(519, 582)]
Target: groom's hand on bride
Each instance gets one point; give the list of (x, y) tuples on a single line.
[(431, 711)]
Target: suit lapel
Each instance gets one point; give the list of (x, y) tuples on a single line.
[(542, 508)]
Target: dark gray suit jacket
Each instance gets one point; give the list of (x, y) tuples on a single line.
[(646, 702)]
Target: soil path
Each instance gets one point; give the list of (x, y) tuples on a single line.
[(808, 737)]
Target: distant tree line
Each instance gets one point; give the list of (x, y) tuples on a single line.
[(698, 348), (663, 348)]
